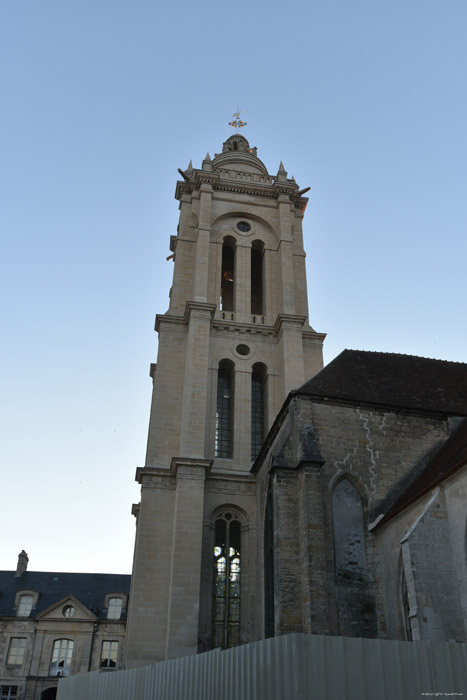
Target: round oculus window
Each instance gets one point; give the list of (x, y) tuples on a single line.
[(68, 611), (244, 226), (243, 349)]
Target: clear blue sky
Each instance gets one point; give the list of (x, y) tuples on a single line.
[(102, 101)]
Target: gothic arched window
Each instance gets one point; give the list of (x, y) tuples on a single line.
[(258, 405), (356, 604), (224, 410), (226, 588), (228, 274), (257, 250)]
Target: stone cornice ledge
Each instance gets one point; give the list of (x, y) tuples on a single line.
[(175, 464), (288, 319), (187, 463), (198, 306)]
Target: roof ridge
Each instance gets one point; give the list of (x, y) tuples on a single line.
[(401, 354)]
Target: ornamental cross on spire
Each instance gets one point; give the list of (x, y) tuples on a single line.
[(237, 122)]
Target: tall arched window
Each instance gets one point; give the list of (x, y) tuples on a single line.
[(258, 405), (226, 589), (257, 250), (356, 604), (224, 410), (62, 654), (228, 274)]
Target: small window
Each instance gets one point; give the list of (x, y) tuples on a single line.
[(16, 651), (62, 655), (114, 610), (8, 691), (109, 654), (68, 611), (24, 605)]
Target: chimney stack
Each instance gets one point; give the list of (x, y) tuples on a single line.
[(22, 564)]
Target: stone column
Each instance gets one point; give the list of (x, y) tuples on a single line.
[(185, 568), (200, 282), (287, 573), (150, 582), (242, 304), (286, 255), (313, 551), (289, 330), (193, 422), (242, 417)]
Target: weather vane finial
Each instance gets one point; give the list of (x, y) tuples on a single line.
[(237, 122)]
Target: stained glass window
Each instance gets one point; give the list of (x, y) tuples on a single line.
[(227, 568)]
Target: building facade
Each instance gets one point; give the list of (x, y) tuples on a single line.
[(55, 624), (235, 340), (278, 496)]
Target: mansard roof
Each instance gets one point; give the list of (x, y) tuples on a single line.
[(89, 589), (389, 379)]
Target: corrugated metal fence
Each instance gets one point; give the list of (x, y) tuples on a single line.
[(290, 667)]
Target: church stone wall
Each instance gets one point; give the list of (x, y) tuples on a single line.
[(423, 555), (318, 444)]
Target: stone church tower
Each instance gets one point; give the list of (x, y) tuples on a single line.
[(233, 343)]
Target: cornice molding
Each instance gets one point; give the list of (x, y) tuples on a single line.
[(272, 189), (290, 320)]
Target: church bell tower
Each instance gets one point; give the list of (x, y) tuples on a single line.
[(233, 343)]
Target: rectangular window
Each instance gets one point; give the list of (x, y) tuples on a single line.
[(8, 691), (16, 651), (109, 654), (62, 655), (24, 605)]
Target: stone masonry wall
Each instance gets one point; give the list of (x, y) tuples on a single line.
[(379, 452)]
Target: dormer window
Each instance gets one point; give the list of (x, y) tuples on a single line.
[(114, 609), (24, 605)]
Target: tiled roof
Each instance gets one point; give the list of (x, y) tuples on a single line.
[(402, 381), (90, 589)]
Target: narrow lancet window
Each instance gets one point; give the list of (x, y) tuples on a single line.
[(228, 269), (224, 410), (226, 598), (257, 278), (258, 404), (356, 606)]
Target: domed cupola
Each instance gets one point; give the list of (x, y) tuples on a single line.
[(238, 155)]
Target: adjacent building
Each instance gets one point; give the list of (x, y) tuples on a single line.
[(54, 624)]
